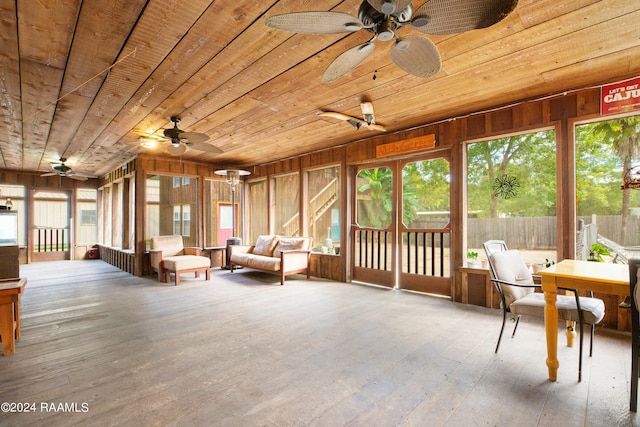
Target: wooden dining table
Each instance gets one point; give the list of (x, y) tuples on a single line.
[(601, 277)]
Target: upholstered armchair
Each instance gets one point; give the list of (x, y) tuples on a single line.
[(168, 255)]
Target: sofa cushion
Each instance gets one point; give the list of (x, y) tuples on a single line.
[(291, 244), (185, 262), (169, 245), (265, 245), (259, 262)]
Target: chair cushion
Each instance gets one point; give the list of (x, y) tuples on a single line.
[(265, 245), (533, 305), (169, 245), (291, 244), (510, 267), (185, 262)]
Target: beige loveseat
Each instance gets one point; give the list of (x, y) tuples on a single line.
[(273, 254), (168, 255)]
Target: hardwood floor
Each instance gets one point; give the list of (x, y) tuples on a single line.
[(240, 350)]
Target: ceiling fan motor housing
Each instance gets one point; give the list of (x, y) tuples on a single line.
[(381, 24)]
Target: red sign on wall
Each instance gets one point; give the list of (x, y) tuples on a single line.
[(621, 97)]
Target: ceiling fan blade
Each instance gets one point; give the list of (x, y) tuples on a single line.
[(337, 115), (207, 148), (417, 56), (374, 126), (347, 61), (194, 137), (49, 174), (354, 121), (315, 22), (389, 7), (458, 16), (78, 177)]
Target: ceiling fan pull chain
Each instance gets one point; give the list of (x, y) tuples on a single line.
[(375, 65)]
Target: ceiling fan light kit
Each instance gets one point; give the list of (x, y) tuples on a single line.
[(415, 55)]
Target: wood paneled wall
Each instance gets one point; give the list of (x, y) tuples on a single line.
[(558, 112)]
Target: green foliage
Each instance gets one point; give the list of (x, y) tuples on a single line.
[(530, 158), (472, 255), (597, 251), (426, 188), (374, 197)]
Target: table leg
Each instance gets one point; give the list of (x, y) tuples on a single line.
[(570, 331), (551, 327), (6, 329)]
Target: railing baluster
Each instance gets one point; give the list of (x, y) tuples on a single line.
[(442, 254)]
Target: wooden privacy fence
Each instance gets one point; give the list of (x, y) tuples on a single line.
[(539, 233)]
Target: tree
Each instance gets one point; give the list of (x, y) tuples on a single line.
[(375, 190), (623, 135), (529, 158), (426, 188)]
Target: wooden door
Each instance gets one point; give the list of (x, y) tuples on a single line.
[(399, 240), (373, 234), (50, 231)]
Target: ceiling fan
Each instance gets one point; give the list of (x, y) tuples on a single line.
[(61, 169), (368, 118), (415, 55), (181, 140)]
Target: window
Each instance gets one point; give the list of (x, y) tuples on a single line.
[(177, 224), (608, 157), (426, 195), (511, 194), (87, 217), (323, 189), (186, 220), (258, 211), (374, 197), (87, 200), (16, 194), (167, 205), (286, 199)]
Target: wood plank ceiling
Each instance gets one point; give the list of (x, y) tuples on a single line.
[(84, 79)]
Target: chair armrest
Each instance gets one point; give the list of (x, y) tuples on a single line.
[(192, 250), (155, 257), (294, 259), (293, 251)]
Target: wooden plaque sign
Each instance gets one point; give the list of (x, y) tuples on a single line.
[(406, 146)]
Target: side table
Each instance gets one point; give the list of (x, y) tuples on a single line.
[(216, 254), (10, 292)]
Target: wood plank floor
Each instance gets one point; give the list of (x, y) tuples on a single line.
[(240, 350)]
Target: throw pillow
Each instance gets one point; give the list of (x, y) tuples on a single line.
[(289, 244), (264, 245)]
